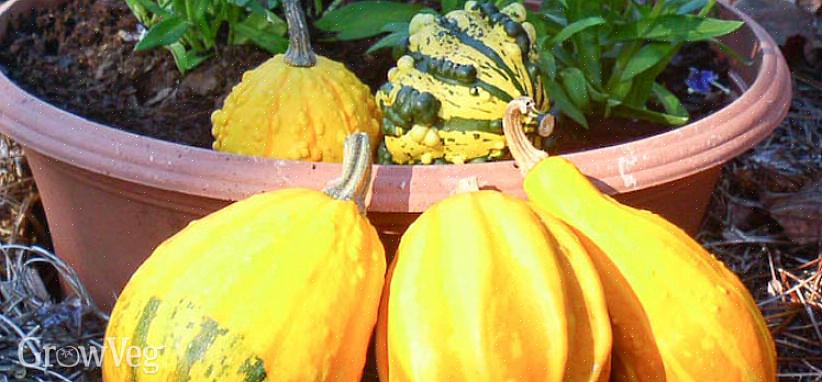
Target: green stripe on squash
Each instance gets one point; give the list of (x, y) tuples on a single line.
[(143, 326), (198, 348), (253, 369), (421, 60), (485, 50)]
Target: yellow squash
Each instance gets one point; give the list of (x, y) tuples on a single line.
[(483, 288), (590, 342), (283, 286), (678, 314), (444, 101), (297, 106)]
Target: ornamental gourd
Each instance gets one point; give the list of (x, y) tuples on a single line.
[(283, 286), (297, 106), (678, 313), (483, 288), (444, 100)]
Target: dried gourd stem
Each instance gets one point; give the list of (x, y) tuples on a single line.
[(523, 151), (356, 171), (299, 51)]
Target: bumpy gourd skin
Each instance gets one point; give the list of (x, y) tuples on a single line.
[(283, 286), (480, 291), (445, 99), (297, 113), (678, 313)]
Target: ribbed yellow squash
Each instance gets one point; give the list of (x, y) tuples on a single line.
[(296, 106), (678, 314), (590, 341), (483, 288), (283, 286)]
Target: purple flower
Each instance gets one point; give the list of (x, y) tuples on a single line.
[(701, 81)]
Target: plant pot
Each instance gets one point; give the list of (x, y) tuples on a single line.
[(111, 196)]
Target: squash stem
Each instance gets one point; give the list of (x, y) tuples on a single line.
[(356, 171), (299, 51), (525, 154)]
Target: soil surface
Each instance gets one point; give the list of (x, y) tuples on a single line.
[(80, 57)]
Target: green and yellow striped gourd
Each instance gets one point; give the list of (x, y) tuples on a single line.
[(445, 99)]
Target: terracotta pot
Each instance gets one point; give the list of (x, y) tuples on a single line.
[(111, 196)]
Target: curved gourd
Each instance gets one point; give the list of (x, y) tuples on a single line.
[(678, 314)]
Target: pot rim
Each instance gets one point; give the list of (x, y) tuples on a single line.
[(622, 168)]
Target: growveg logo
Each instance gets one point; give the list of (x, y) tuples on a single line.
[(31, 353)]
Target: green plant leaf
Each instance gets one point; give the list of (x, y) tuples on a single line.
[(450, 5), (542, 26), (181, 8), (643, 83), (564, 103), (395, 27), (574, 28), (596, 95), (621, 90), (616, 6), (576, 86), (198, 9), (669, 101), (627, 111), (389, 41), (140, 12), (707, 8), (185, 60), (676, 28), (647, 56), (504, 3), (731, 52), (586, 41), (555, 16), (564, 57), (266, 38), (240, 3), (691, 6), (548, 64), (365, 18), (150, 6), (397, 51), (580, 9), (267, 21), (166, 32)]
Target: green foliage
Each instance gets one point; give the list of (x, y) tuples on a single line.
[(189, 29), (366, 19), (602, 57), (363, 19)]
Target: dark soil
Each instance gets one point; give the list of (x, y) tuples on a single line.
[(81, 57)]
